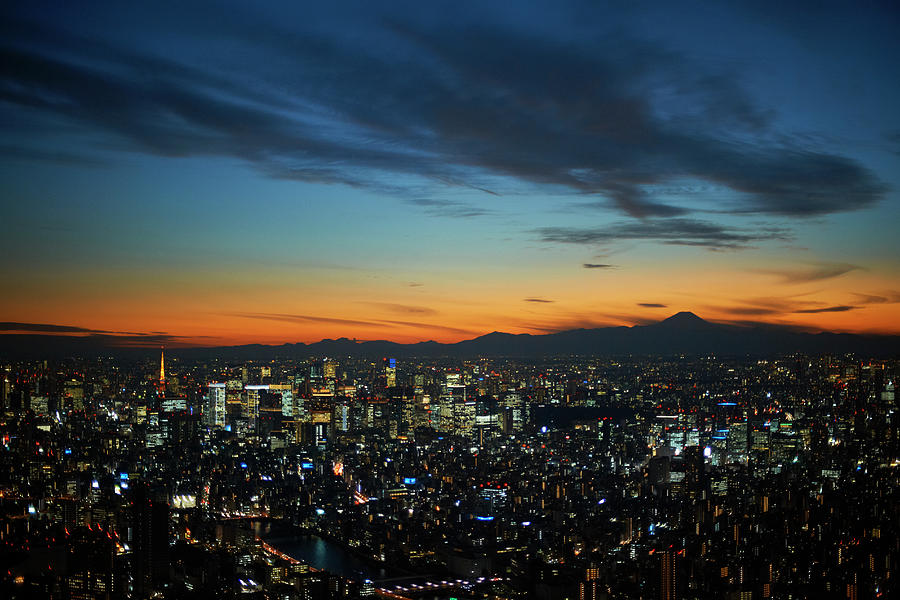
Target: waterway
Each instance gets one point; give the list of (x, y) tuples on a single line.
[(319, 552)]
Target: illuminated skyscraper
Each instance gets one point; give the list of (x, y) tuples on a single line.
[(589, 589), (5, 387), (667, 575), (390, 372), (250, 402), (215, 405), (887, 396), (330, 368)]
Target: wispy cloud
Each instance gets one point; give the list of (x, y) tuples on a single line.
[(569, 320), (408, 309), (431, 326), (538, 300), (29, 154), (682, 232), (373, 323), (752, 310), (885, 298), (290, 318), (448, 208), (598, 266), (816, 272), (785, 306), (827, 309), (651, 305)]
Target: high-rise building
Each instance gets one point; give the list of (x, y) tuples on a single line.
[(390, 372), (887, 395), (149, 540), (419, 383), (90, 569), (330, 367), (215, 405), (667, 575), (5, 389), (589, 589), (250, 401)]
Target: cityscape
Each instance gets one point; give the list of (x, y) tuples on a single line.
[(341, 477), (449, 300)]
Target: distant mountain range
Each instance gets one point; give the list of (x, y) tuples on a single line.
[(683, 333)]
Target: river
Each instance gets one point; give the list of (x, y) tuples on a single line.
[(318, 552)]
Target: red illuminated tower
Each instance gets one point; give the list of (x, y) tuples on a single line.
[(162, 371)]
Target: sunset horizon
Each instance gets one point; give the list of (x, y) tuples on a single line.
[(130, 339)]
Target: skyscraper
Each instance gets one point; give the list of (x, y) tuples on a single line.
[(667, 575), (150, 540), (250, 402), (390, 372), (215, 405)]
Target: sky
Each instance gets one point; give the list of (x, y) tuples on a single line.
[(230, 172)]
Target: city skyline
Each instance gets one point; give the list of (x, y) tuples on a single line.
[(470, 477), (215, 175)]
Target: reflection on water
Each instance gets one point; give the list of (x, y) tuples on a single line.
[(318, 553)]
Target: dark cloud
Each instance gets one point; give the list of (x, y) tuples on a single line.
[(42, 328), (45, 328), (827, 309), (145, 340), (538, 300), (415, 284), (813, 273), (886, 298), (460, 104), (651, 305), (122, 339), (682, 232), (598, 266), (783, 306)]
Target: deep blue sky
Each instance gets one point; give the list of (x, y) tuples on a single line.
[(436, 170)]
